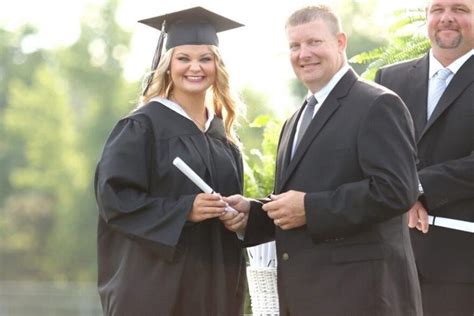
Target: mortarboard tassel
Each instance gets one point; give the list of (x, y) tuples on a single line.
[(156, 57)]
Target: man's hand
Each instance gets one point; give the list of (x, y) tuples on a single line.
[(287, 209), (418, 217)]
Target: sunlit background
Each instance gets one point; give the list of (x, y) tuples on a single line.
[(68, 71), (255, 54)]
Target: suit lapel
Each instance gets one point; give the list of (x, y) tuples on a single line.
[(460, 81), (286, 144), (329, 107), (417, 99)]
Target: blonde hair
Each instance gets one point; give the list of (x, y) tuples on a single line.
[(311, 13), (161, 84), (224, 102)]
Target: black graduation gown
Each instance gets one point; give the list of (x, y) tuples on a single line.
[(151, 260)]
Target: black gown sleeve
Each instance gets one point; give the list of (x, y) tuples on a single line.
[(122, 188), (260, 228)]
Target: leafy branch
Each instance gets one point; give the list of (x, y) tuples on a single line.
[(407, 41)]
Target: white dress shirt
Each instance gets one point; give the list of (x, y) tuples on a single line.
[(435, 65), (321, 96)]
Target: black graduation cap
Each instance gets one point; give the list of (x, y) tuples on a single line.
[(193, 26)]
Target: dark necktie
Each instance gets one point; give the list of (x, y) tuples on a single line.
[(306, 119)]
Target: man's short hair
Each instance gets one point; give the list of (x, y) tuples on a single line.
[(311, 13)]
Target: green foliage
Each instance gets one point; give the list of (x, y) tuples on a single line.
[(26, 221), (54, 119), (260, 163), (408, 20), (256, 105), (93, 66), (357, 19), (39, 117), (99, 96), (406, 42), (259, 135), (15, 64)]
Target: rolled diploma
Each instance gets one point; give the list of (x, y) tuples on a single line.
[(197, 180), (188, 172)]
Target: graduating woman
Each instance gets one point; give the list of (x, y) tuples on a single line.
[(163, 247)]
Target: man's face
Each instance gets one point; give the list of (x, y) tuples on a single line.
[(451, 25), (316, 54)]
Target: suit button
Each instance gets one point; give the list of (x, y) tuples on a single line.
[(285, 256)]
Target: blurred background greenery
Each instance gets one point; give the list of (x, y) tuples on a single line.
[(57, 106)]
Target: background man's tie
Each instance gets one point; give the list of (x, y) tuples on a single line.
[(436, 89), (307, 117)]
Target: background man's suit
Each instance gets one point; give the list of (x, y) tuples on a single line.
[(356, 162), (446, 170)]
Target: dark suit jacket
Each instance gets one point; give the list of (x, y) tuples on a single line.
[(357, 164), (446, 165)]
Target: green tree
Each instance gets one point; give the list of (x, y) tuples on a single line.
[(15, 64), (15, 61), (260, 163), (406, 41), (54, 120), (258, 131), (99, 95), (93, 66), (358, 21), (256, 104), (51, 172), (24, 216)]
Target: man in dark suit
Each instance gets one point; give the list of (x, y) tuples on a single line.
[(445, 138), (342, 187)]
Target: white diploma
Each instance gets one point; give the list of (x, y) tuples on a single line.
[(197, 180), (193, 176)]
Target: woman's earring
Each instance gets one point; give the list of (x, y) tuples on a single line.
[(168, 72)]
